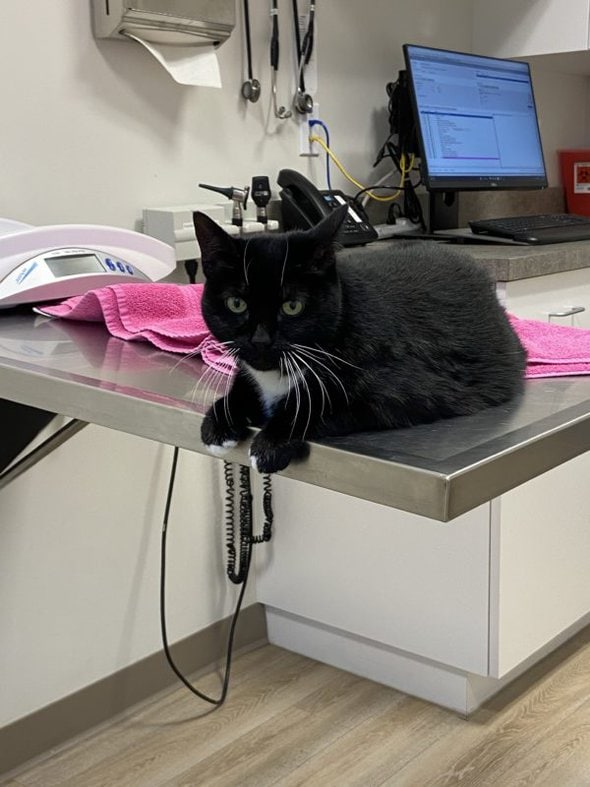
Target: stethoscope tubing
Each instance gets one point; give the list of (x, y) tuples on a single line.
[(250, 88), (282, 113)]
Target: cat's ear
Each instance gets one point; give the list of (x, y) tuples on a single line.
[(217, 247), (324, 237), (327, 229)]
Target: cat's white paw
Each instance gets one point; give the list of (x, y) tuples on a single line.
[(269, 456), (223, 449)]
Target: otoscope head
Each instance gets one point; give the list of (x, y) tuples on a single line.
[(261, 190), (231, 192)]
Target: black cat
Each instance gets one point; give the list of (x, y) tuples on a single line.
[(328, 347)]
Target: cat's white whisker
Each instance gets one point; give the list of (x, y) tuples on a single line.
[(214, 377), (246, 266), (297, 394), (283, 364), (185, 357), (292, 387), (329, 371), (194, 353), (290, 381), (211, 376), (307, 391), (285, 261), (226, 407), (323, 390), (331, 356)]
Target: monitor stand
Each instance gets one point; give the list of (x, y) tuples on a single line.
[(443, 210)]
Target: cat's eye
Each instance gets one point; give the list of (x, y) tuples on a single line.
[(235, 304), (292, 308)]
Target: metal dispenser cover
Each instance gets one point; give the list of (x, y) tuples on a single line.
[(195, 22)]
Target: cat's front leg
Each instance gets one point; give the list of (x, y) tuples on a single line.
[(226, 422)]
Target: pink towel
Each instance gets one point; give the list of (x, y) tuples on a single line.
[(167, 315), (553, 350)]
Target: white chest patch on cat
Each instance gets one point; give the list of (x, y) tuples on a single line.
[(273, 386)]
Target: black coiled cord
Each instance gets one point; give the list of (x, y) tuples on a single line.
[(246, 540), (401, 142)]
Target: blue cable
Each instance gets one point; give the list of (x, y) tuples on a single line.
[(321, 123)]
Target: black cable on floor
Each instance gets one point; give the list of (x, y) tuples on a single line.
[(246, 542)]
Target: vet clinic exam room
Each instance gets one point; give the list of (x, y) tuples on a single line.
[(295, 393)]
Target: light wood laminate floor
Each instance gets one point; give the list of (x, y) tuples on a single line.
[(292, 721)]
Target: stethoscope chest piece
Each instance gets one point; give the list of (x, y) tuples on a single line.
[(303, 102), (251, 90)]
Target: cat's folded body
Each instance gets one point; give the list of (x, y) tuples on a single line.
[(328, 347)]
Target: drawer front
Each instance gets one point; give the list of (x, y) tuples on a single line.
[(392, 577), (547, 297), (540, 558)]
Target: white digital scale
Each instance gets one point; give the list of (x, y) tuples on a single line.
[(42, 264)]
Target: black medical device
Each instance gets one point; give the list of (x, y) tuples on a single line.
[(304, 206)]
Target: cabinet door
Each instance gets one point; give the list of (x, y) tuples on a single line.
[(543, 296), (519, 28), (540, 556)]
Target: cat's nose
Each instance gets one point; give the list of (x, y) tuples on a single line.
[(261, 337)]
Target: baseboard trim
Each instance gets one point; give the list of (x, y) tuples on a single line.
[(64, 719)]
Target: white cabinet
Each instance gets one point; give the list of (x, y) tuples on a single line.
[(449, 612), (522, 28), (542, 296)]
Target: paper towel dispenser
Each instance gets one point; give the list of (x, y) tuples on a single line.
[(192, 22)]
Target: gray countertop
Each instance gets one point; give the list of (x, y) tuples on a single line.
[(503, 261), (509, 263), (438, 470)]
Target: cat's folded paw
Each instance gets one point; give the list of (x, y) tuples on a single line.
[(270, 456), (220, 437)]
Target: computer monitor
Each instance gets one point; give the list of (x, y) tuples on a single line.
[(476, 121)]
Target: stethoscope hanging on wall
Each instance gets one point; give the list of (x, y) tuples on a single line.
[(303, 101), (251, 87), (280, 112)]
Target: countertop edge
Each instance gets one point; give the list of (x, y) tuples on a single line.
[(424, 492)]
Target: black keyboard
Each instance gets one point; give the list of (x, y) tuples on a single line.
[(541, 228)]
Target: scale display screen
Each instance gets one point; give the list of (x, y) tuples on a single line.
[(73, 264)]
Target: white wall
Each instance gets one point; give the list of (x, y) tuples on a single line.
[(94, 132), (563, 104), (79, 563)]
